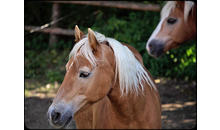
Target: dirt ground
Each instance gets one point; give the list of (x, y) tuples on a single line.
[(178, 102)]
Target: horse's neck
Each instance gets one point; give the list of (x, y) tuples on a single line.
[(127, 106), (128, 111), (135, 52)]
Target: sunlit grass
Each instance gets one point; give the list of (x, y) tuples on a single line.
[(36, 89)]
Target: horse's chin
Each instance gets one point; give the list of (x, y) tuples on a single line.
[(157, 55)]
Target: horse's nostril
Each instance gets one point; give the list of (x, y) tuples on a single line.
[(55, 117), (151, 47)]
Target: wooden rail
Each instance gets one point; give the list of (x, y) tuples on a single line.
[(112, 4), (116, 4), (57, 31)]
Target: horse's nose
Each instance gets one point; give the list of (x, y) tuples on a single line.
[(59, 117), (55, 117), (155, 48)]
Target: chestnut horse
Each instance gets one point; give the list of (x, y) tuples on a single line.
[(177, 25), (106, 86)]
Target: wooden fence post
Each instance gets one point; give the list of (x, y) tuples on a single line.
[(55, 15)]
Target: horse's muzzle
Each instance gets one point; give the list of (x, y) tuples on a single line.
[(59, 118), (156, 48)]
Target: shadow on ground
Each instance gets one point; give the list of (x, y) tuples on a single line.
[(178, 102)]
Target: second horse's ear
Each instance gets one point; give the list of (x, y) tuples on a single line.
[(78, 34)]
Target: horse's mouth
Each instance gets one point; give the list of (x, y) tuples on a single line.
[(66, 123), (62, 124)]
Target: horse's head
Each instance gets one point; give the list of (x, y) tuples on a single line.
[(89, 75), (177, 25)]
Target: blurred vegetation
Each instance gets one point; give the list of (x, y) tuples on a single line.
[(47, 64)]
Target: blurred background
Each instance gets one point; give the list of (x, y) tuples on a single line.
[(49, 38)]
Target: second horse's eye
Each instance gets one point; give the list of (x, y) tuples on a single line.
[(171, 21), (84, 74)]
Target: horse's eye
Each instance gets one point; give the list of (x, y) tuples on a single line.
[(84, 74), (171, 21)]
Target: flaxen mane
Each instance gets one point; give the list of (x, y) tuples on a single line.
[(127, 66)]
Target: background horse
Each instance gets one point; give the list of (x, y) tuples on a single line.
[(177, 25), (105, 86)]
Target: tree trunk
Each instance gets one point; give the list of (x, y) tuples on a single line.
[(55, 16)]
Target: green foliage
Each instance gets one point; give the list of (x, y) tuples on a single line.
[(127, 26), (45, 63), (178, 63)]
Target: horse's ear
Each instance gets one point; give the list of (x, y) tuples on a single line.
[(92, 40), (180, 4), (78, 34)]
